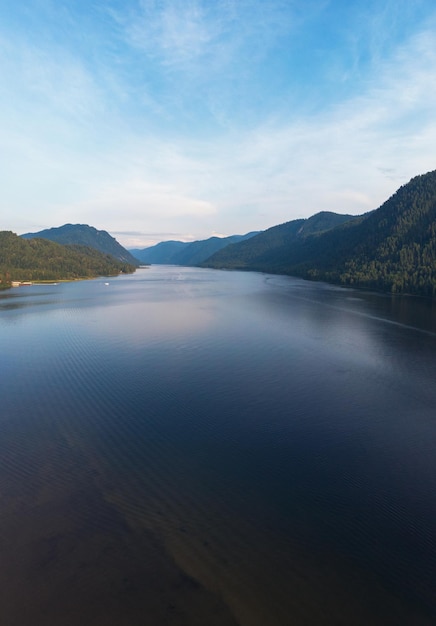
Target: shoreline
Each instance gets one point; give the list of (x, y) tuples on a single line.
[(13, 284)]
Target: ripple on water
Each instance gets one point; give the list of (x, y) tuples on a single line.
[(204, 458)]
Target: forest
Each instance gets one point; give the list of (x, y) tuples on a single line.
[(392, 248), (43, 260)]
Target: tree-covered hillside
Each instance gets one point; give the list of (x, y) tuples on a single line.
[(186, 253), (391, 249), (396, 245), (84, 235), (40, 259), (162, 253), (270, 250)]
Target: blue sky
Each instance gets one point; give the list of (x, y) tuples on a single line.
[(181, 119)]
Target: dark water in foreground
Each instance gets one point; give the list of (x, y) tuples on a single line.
[(192, 447)]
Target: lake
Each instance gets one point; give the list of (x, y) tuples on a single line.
[(194, 447)]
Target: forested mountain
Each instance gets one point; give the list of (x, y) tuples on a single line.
[(84, 235), (269, 250), (40, 259), (392, 248), (199, 251), (162, 253), (186, 253)]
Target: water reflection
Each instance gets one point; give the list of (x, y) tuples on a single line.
[(221, 448)]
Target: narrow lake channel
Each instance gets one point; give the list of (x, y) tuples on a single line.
[(204, 448)]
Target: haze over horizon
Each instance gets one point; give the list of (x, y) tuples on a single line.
[(171, 119)]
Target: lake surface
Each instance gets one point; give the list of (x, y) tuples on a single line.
[(195, 447)]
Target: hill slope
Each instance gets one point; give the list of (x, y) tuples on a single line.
[(199, 251), (162, 253), (84, 235), (392, 248), (269, 250), (40, 259), (186, 253)]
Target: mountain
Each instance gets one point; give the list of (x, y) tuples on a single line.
[(199, 251), (270, 249), (162, 253), (84, 235), (186, 253), (392, 248), (41, 259)]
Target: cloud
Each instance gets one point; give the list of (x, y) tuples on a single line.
[(77, 146), (142, 201), (310, 161), (145, 240), (177, 32), (138, 233), (47, 80)]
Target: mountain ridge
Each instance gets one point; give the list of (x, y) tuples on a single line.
[(271, 245), (85, 235), (189, 253), (392, 248), (38, 259)]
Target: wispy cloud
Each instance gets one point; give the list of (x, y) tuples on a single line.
[(144, 200), (180, 32), (186, 119), (173, 32)]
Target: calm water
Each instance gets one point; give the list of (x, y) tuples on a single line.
[(194, 447)]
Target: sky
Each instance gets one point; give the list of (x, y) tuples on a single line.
[(182, 119)]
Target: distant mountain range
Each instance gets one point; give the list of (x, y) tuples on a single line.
[(84, 235), (271, 248), (391, 249), (186, 253)]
